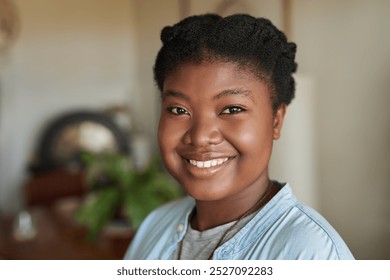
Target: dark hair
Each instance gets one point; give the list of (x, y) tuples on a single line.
[(254, 44)]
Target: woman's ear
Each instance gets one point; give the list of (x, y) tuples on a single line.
[(278, 121)]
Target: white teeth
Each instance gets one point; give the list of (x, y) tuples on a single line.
[(208, 163)]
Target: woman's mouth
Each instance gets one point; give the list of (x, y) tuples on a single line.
[(208, 163)]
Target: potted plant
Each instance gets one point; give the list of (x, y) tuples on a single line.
[(118, 190)]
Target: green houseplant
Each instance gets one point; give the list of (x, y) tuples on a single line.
[(117, 189)]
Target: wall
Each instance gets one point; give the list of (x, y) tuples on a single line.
[(151, 16), (344, 46), (70, 54)]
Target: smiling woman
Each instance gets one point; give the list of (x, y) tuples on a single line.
[(225, 84)]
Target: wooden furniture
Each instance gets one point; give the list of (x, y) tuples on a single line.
[(47, 187), (60, 238)]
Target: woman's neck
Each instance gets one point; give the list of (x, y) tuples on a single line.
[(209, 214)]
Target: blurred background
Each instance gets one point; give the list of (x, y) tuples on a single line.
[(75, 61)]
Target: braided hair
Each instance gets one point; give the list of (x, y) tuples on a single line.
[(254, 44)]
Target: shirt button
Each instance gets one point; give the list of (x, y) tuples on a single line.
[(180, 228)]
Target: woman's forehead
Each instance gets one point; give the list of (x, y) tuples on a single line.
[(213, 81), (210, 73)]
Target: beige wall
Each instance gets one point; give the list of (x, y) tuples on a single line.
[(150, 17), (345, 47)]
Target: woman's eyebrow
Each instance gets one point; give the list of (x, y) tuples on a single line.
[(173, 93), (240, 91)]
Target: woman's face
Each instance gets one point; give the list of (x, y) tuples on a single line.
[(216, 130)]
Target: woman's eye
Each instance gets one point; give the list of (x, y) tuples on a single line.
[(233, 110), (178, 111)]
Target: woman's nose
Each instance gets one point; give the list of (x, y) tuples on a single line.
[(203, 132)]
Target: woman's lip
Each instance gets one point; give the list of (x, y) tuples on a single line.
[(205, 156)]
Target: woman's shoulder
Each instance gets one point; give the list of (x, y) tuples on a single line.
[(302, 231), (315, 236), (288, 229)]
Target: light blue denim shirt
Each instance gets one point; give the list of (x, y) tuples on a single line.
[(282, 229)]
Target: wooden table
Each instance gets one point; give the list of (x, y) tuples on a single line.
[(59, 238)]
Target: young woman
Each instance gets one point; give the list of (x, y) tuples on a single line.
[(225, 84)]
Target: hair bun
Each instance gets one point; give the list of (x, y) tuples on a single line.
[(167, 34)]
